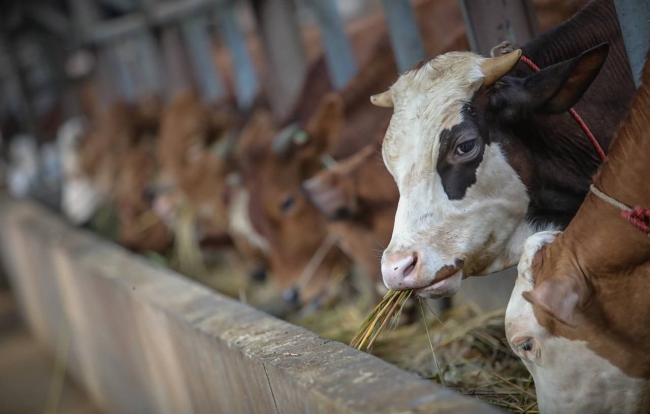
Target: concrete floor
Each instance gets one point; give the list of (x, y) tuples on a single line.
[(26, 371)]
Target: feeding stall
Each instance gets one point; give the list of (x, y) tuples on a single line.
[(141, 338)]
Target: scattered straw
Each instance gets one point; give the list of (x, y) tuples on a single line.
[(375, 323), (187, 250)]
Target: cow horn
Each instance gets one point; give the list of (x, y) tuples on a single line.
[(383, 100), (283, 140), (495, 68)]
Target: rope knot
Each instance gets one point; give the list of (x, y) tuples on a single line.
[(639, 217)]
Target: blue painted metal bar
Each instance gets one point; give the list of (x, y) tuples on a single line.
[(122, 73), (340, 59), (177, 68), (195, 33), (246, 82), (404, 33), (149, 63), (634, 19)]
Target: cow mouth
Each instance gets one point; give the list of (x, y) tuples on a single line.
[(445, 283)]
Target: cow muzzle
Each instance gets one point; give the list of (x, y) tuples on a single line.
[(410, 271)]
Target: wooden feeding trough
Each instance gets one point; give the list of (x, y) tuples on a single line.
[(142, 339)]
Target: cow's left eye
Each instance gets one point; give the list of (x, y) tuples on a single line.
[(465, 147)]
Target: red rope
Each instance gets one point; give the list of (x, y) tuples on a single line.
[(573, 113), (639, 217)]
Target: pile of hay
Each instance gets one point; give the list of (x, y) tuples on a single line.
[(469, 346)]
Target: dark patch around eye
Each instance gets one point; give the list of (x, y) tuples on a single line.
[(457, 177)]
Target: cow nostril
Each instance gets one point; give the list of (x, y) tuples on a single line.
[(411, 267)]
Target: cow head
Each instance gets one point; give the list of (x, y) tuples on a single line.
[(273, 166), (359, 198), (585, 347), (460, 164)]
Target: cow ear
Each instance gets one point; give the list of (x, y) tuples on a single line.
[(556, 88), (325, 125), (561, 298)]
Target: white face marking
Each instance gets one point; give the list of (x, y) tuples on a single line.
[(478, 228), (569, 377)]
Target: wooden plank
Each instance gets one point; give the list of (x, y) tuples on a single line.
[(147, 340), (490, 22)]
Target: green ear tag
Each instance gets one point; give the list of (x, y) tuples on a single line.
[(300, 137)]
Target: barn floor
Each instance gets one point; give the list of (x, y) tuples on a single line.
[(26, 370)]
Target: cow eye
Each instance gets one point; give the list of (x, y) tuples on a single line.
[(287, 203), (527, 347), (465, 147)]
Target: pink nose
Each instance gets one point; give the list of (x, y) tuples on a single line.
[(400, 271)]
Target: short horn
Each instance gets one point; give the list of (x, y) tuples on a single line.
[(495, 68), (383, 100)]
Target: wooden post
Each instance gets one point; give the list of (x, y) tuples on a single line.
[(488, 23), (197, 40), (246, 83), (340, 59), (634, 19), (287, 64), (404, 33)]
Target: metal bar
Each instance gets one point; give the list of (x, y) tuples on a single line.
[(86, 14), (149, 63), (105, 80), (340, 59), (195, 33), (177, 69), (634, 19), (122, 73), (287, 63), (246, 83), (488, 23), (404, 33)]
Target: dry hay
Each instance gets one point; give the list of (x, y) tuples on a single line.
[(468, 346)]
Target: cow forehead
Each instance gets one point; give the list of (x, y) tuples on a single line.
[(428, 100)]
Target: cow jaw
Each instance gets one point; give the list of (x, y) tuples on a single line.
[(569, 377)]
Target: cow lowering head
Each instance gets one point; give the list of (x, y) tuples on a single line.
[(273, 167), (358, 197), (456, 147)]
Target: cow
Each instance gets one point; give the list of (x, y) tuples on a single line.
[(484, 152), (578, 315), (358, 197)]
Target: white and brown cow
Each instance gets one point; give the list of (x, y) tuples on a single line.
[(484, 152), (578, 316)]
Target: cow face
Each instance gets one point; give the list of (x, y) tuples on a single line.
[(460, 166), (273, 167), (566, 352)]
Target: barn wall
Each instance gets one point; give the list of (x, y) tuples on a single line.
[(144, 339)]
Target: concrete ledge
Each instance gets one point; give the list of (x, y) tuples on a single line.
[(147, 340)]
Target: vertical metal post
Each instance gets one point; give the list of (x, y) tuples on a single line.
[(177, 68), (122, 73), (634, 19), (86, 14), (340, 59), (148, 60), (104, 76), (281, 38), (488, 23), (404, 33), (246, 83), (195, 33)]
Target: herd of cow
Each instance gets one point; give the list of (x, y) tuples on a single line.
[(482, 163)]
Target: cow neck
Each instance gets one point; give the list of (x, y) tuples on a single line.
[(563, 158)]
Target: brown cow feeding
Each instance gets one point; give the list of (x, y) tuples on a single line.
[(578, 316), (484, 153), (358, 197)]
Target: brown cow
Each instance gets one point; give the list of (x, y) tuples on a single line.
[(578, 315)]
